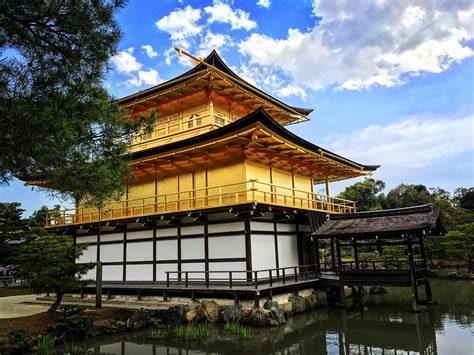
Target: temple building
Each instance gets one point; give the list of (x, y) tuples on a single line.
[(221, 188)]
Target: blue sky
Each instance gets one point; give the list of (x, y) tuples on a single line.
[(391, 82)]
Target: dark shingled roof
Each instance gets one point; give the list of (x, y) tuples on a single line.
[(384, 223)]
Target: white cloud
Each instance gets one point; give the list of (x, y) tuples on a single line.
[(181, 24), (149, 51), (264, 3), (410, 143), (292, 90), (221, 11), (148, 77), (125, 62), (218, 41), (359, 44)]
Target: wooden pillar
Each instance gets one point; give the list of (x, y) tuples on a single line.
[(333, 254), (275, 240), (356, 253), (124, 270), (342, 294), (327, 187), (154, 252), (98, 283), (178, 225), (206, 249), (248, 247), (429, 296), (414, 288), (316, 248)]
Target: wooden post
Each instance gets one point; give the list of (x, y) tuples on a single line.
[(356, 253), (98, 287), (342, 294), (318, 261), (429, 296), (333, 254), (414, 288)]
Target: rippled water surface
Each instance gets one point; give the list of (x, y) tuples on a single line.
[(384, 327)]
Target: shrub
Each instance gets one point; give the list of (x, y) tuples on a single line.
[(70, 324), (45, 344), (20, 341)]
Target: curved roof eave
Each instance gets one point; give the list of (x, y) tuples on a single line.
[(214, 59), (259, 115)]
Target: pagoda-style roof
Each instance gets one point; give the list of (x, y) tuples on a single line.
[(259, 137), (215, 75), (424, 219)]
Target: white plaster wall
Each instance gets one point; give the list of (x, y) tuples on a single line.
[(284, 227), (263, 252), (112, 273), (232, 246), (166, 249), (140, 272), (287, 250), (86, 239), (140, 235), (162, 268), (88, 255), (111, 252), (261, 226), (193, 267), (192, 248), (192, 230), (226, 227), (111, 237), (228, 266), (167, 232), (90, 275), (140, 251)]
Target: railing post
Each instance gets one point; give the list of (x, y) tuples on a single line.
[(270, 277), (296, 274), (230, 279), (167, 279), (186, 279), (256, 279)]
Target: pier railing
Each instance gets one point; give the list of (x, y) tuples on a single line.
[(419, 264), (206, 197), (242, 278)]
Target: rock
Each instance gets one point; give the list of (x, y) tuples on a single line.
[(286, 308), (321, 298), (108, 326), (138, 320), (348, 291), (246, 315), (258, 317), (278, 316), (310, 301), (191, 315), (211, 310), (298, 304), (174, 315), (231, 313), (270, 304), (377, 290)]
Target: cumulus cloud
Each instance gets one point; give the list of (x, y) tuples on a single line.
[(412, 142), (359, 44), (221, 11), (217, 41), (292, 90), (150, 52), (264, 3), (125, 62), (181, 24)]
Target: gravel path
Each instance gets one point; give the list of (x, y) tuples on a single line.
[(18, 306)]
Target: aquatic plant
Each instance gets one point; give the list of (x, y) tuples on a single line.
[(45, 344), (156, 334), (72, 349), (193, 331), (242, 331)]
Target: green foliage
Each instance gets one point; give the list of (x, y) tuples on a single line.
[(156, 334), (20, 341), (193, 331), (460, 244), (242, 331), (59, 124), (365, 194), (407, 195), (70, 348), (69, 323), (45, 344), (12, 228), (465, 197), (49, 263)]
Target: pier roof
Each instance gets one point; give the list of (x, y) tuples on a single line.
[(393, 222)]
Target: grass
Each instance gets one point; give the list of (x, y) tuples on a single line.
[(156, 334), (72, 349), (15, 291), (242, 331), (193, 331), (45, 344)]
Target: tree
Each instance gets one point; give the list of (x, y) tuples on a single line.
[(12, 228), (465, 197), (407, 195), (459, 244), (365, 194), (59, 126), (49, 263)]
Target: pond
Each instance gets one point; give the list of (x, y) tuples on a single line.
[(383, 326)]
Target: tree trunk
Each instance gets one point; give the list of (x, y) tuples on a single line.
[(57, 302)]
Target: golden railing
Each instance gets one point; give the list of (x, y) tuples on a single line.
[(207, 197)]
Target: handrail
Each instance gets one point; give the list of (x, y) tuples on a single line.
[(205, 197), (251, 278), (419, 264)]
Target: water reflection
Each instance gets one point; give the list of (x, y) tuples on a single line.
[(383, 326)]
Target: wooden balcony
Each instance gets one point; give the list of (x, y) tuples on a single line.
[(197, 199)]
